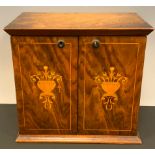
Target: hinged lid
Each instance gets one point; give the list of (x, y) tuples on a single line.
[(78, 24)]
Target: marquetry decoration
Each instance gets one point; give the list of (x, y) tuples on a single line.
[(67, 98), (109, 83), (47, 81)]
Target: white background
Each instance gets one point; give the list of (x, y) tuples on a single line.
[(77, 2), (7, 14)]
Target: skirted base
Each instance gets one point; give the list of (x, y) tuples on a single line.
[(109, 139)]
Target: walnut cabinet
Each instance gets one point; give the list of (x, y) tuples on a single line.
[(78, 76)]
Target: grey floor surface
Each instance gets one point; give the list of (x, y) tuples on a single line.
[(8, 132)]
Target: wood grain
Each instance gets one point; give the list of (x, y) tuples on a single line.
[(126, 54), (78, 24), (30, 54), (78, 111), (80, 139)]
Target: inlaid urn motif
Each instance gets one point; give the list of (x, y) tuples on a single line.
[(109, 83), (47, 81)]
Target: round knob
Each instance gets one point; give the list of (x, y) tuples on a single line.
[(96, 43), (61, 43)]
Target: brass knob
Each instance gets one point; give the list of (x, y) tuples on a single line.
[(95, 43), (61, 44)]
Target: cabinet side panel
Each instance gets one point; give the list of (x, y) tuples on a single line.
[(110, 84)]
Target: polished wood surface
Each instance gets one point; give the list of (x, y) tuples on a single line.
[(126, 55), (78, 76), (80, 139), (30, 55), (78, 24)]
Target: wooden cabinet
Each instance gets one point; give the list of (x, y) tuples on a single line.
[(78, 76)]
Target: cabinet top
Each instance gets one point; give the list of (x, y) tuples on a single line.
[(78, 24)]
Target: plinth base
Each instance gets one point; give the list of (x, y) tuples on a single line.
[(108, 139)]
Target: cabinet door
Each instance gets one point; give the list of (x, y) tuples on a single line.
[(46, 84), (110, 74)]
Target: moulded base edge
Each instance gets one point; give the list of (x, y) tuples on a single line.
[(109, 139)]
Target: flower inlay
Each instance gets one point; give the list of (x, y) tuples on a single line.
[(110, 83), (47, 81)]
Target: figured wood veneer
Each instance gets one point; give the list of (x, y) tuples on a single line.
[(78, 24), (126, 54), (78, 76), (30, 54)]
